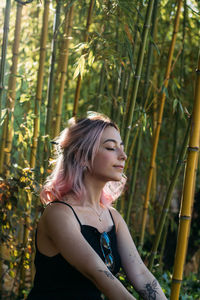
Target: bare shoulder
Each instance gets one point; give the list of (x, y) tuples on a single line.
[(116, 216), (58, 215)]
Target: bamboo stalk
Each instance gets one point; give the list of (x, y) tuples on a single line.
[(150, 50), (36, 132), (135, 39), (3, 142), (160, 115), (163, 243), (78, 85), (12, 87), (168, 198), (28, 197), (4, 49), (188, 193), (40, 83), (64, 60), (101, 87), (51, 85), (134, 176), (138, 71)]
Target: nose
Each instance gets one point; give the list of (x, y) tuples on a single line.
[(122, 155)]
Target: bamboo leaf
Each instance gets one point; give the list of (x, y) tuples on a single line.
[(176, 83), (80, 66), (154, 44), (81, 46), (90, 58), (175, 102), (3, 116)]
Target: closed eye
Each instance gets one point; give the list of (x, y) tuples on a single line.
[(111, 149)]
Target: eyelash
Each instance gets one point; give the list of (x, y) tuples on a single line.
[(111, 149)]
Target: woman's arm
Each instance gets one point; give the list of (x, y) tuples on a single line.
[(64, 231), (137, 273)]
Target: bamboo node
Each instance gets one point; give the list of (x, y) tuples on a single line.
[(185, 217), (176, 280), (137, 76), (196, 149)]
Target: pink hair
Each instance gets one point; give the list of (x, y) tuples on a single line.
[(78, 146)]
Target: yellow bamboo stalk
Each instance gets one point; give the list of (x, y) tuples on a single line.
[(12, 86), (78, 85), (188, 193), (159, 122), (64, 64), (154, 179), (40, 83), (6, 141)]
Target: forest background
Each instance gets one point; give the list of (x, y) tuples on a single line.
[(134, 61)]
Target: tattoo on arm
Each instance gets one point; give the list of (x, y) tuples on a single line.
[(107, 273), (150, 291)]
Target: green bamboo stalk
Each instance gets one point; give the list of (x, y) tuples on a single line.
[(160, 115), (188, 193), (134, 176), (163, 243), (51, 85), (121, 103), (101, 87), (135, 39), (138, 71), (121, 207), (4, 50), (169, 197), (64, 62), (150, 51), (138, 150), (36, 130), (12, 87), (78, 85), (28, 197), (39, 83)]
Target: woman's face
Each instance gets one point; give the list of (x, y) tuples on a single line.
[(109, 161)]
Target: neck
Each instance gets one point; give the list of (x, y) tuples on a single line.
[(94, 188)]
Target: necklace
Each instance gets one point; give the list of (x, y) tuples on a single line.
[(98, 214)]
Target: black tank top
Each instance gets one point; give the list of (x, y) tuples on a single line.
[(56, 279)]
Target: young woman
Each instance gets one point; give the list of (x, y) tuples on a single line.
[(81, 241)]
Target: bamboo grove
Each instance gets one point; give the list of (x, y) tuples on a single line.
[(138, 63)]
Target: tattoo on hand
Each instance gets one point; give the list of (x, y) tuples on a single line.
[(149, 293), (108, 274)]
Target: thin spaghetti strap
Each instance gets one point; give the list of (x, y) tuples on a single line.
[(58, 201), (111, 217)]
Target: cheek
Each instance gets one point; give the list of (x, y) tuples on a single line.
[(102, 159)]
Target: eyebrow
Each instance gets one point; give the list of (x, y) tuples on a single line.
[(111, 140)]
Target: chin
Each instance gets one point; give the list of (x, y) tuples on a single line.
[(116, 178)]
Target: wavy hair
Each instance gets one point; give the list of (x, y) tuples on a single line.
[(77, 146)]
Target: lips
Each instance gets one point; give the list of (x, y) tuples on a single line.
[(119, 167)]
